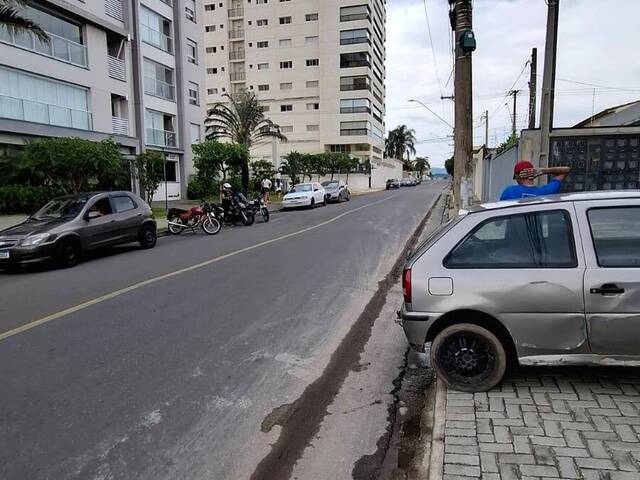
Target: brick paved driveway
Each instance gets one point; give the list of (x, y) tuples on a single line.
[(573, 423)]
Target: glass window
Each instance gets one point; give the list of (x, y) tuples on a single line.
[(158, 80), (286, 86), (192, 52), (313, 40), (263, 22), (284, 42), (155, 30), (616, 236), (102, 206), (122, 203), (349, 37), (190, 10), (286, 64), (194, 95), (286, 108), (355, 105), (194, 130), (263, 66), (355, 59), (313, 62), (313, 83), (285, 20), (356, 12), (528, 240), (311, 17), (171, 171)]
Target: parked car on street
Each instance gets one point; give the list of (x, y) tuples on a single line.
[(68, 226), (336, 191), (538, 281), (304, 195), (393, 183), (406, 182)]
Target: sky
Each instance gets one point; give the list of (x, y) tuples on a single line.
[(597, 46)]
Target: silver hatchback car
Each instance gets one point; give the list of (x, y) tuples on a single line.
[(540, 281)]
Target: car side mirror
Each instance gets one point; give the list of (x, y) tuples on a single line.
[(92, 215)]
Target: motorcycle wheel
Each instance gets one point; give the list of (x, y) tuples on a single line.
[(211, 225), (265, 214), (247, 218), (174, 229)]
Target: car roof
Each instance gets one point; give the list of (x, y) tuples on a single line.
[(559, 198)]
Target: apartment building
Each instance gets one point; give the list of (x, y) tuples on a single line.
[(317, 66), (126, 69)]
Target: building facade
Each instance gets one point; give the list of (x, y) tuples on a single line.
[(317, 67), (126, 69)]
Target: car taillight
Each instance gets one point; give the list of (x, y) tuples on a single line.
[(406, 285)]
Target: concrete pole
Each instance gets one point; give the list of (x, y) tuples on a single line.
[(548, 81), (533, 87), (514, 93), (463, 133), (486, 128)]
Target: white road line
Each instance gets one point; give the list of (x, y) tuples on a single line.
[(63, 313)]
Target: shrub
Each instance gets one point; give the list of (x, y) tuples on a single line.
[(199, 188), (25, 198)]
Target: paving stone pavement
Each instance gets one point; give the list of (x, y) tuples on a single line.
[(541, 423)]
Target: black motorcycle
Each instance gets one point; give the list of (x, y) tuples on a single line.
[(258, 207), (234, 210)]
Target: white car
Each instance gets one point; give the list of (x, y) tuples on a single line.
[(304, 195)]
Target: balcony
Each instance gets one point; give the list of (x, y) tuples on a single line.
[(161, 138), (114, 9), (120, 126), (158, 88), (237, 76), (236, 34), (58, 47), (348, 87), (116, 68), (355, 16), (156, 39), (236, 12), (38, 112), (236, 55)]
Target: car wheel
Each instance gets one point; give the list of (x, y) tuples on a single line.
[(468, 358), (348, 196), (68, 253), (312, 205), (148, 237)]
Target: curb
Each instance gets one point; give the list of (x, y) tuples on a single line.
[(435, 469)]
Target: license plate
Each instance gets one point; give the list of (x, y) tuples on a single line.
[(4, 254)]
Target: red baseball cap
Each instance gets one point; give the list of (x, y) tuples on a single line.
[(520, 166)]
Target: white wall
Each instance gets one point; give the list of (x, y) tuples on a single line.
[(359, 182)]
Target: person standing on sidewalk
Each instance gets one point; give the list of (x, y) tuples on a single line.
[(524, 173), (265, 187)]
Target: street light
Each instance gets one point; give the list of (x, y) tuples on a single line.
[(434, 113)]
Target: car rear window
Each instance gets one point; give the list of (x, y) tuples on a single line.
[(616, 236), (122, 203)]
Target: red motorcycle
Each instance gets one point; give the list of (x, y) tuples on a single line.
[(202, 216)]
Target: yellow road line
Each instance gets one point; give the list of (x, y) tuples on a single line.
[(150, 281)]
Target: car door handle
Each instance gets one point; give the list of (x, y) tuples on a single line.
[(608, 289)]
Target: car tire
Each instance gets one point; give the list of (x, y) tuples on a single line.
[(312, 205), (468, 358), (348, 197), (147, 237), (68, 253)]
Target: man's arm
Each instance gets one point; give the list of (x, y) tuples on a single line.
[(559, 173)]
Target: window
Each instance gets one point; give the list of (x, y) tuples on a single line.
[(616, 236), (194, 133), (263, 44), (313, 83), (194, 95), (355, 105), (210, 28), (360, 35), (190, 10), (286, 64), (284, 1), (360, 82), (263, 87), (355, 59), (155, 30), (192, 52), (356, 12), (212, 91), (528, 240), (286, 128), (286, 86), (158, 80), (37, 99), (103, 206), (313, 128), (209, 7), (160, 129), (263, 22), (263, 66), (312, 62), (286, 108), (122, 203), (284, 42), (211, 49), (313, 106), (261, 2), (312, 40), (311, 17), (212, 71), (265, 108), (285, 20), (171, 171)]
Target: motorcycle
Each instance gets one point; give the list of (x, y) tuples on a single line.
[(203, 217), (236, 210), (258, 207)]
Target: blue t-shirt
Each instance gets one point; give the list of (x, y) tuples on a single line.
[(515, 192)]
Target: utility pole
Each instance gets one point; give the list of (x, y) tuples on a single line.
[(461, 22), (548, 81), (514, 94), (533, 86), (485, 117)]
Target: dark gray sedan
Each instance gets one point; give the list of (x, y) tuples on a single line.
[(68, 226)]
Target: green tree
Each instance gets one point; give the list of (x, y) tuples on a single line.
[(211, 156), (150, 172), (75, 165), (262, 168), (401, 143), (13, 15), (408, 165), (292, 166), (509, 143), (242, 121), (448, 165), (347, 163), (421, 164)]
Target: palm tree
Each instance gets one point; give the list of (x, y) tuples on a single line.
[(421, 164), (10, 16), (400, 142), (241, 120)]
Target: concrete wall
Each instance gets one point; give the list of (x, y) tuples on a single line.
[(499, 173), (359, 182)]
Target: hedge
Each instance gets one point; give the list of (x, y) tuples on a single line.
[(25, 198)]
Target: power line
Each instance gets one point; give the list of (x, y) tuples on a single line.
[(433, 52), (501, 105)]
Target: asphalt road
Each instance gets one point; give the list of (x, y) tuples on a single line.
[(105, 377)]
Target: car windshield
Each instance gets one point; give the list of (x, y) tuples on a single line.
[(61, 208), (330, 184), (392, 180), (301, 188)]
